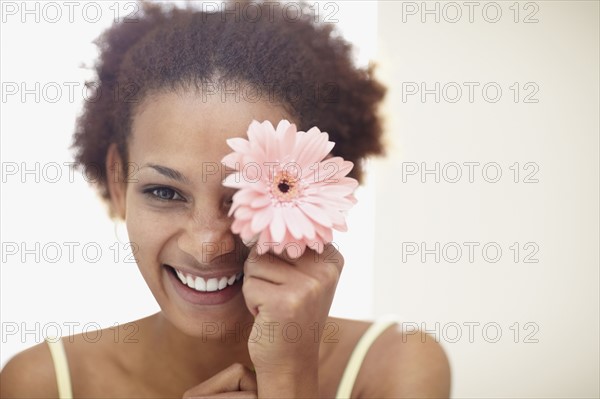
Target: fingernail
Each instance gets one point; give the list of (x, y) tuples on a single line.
[(250, 242)]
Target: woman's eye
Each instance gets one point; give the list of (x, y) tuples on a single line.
[(229, 201), (164, 194)]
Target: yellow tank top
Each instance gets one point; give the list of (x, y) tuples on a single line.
[(63, 378), (61, 367)]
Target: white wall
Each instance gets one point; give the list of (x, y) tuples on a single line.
[(558, 214), (55, 210)]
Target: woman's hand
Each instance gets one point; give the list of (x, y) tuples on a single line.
[(290, 300), (236, 381)]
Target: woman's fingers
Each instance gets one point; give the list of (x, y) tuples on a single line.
[(280, 269), (257, 292), (270, 268), (235, 379)]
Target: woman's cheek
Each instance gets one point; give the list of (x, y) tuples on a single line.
[(148, 232)]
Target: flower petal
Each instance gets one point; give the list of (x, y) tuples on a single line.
[(256, 133), (325, 233), (306, 227), (287, 141), (316, 213), (277, 226), (244, 213), (232, 160), (312, 150), (239, 144), (260, 201), (237, 226), (329, 171), (264, 243), (244, 197), (235, 180), (295, 251), (329, 202), (292, 224), (262, 218)]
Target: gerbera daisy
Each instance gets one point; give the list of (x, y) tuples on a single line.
[(290, 195)]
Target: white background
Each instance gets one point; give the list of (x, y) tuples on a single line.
[(559, 133), (558, 295)]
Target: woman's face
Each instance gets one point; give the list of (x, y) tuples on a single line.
[(176, 207)]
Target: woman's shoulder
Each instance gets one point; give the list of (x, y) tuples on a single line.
[(29, 374), (32, 374), (397, 364)]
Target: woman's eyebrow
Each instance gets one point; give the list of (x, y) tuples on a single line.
[(168, 172)]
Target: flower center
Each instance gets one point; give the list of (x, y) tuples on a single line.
[(285, 187)]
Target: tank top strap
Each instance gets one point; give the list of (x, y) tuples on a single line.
[(358, 354), (61, 367)]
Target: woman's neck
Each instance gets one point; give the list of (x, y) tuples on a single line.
[(181, 360)]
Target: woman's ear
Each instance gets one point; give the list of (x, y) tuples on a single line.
[(115, 181)]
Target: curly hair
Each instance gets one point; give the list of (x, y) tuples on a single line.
[(307, 66)]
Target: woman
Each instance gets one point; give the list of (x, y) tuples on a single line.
[(173, 86)]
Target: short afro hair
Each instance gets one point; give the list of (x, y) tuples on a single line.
[(306, 64)]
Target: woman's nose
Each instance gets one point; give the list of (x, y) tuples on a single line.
[(207, 236)]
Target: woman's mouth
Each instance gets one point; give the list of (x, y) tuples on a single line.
[(207, 285), (204, 290)]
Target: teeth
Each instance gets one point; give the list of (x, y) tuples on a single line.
[(222, 283), (190, 281), (200, 284), (181, 277), (210, 285)]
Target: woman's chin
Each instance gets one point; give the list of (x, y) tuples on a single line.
[(225, 325)]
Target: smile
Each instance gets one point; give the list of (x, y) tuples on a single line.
[(207, 285)]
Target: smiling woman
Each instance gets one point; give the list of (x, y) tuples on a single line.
[(233, 322), (176, 211)]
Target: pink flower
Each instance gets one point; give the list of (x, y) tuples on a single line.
[(289, 196)]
